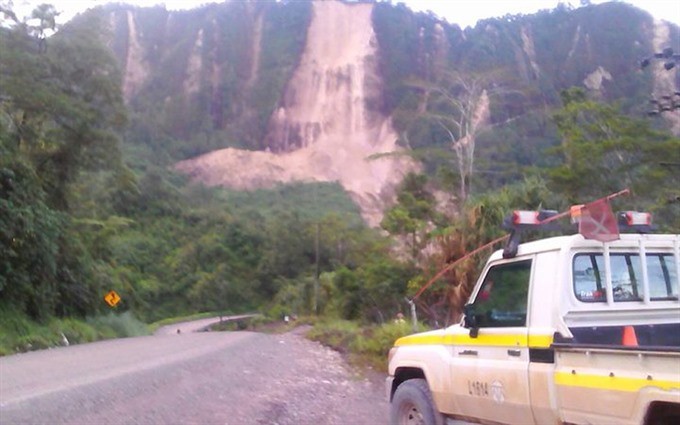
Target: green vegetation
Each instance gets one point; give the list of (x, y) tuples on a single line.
[(88, 203), (523, 62), (82, 214), (603, 150), (59, 114), (415, 209), (20, 334), (365, 345)]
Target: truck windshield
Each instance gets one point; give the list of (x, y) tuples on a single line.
[(626, 270)]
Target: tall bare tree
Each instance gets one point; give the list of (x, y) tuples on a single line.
[(459, 104)]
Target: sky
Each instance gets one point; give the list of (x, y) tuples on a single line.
[(467, 13), (462, 12)]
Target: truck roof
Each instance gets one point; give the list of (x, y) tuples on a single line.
[(662, 241)]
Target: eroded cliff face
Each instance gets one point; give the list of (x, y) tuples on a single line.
[(306, 86), (135, 70), (664, 81), (530, 52), (323, 130), (327, 95)]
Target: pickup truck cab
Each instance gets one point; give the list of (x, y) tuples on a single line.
[(565, 331)]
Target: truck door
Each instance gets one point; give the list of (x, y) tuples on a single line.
[(490, 371)]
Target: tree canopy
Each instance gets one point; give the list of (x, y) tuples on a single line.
[(603, 151)]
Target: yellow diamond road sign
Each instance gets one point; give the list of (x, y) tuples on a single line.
[(112, 298)]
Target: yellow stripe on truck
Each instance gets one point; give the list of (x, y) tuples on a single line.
[(509, 340), (614, 383)]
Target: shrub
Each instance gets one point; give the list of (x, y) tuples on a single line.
[(367, 345), (35, 342), (377, 341), (75, 331), (121, 325), (337, 334), (19, 334)]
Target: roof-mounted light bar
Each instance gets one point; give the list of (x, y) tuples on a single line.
[(635, 218), (635, 221), (519, 221), (525, 217), (575, 213), (628, 221)]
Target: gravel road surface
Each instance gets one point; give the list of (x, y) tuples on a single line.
[(190, 378)]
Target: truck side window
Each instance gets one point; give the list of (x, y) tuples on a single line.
[(626, 270), (502, 299), (662, 277)]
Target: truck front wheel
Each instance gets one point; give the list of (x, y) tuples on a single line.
[(412, 404)]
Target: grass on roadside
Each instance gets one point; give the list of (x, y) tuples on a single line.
[(20, 334), (367, 345)]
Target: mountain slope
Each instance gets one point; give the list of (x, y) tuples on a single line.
[(322, 131), (249, 94)]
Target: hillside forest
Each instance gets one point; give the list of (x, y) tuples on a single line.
[(89, 201)]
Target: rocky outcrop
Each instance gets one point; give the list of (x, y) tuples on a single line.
[(595, 79)]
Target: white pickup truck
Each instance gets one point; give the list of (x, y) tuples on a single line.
[(563, 331)]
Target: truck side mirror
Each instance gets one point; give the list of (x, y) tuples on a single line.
[(470, 320)]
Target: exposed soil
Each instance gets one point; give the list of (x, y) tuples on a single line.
[(323, 130)]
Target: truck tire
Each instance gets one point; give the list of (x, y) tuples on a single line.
[(412, 404)]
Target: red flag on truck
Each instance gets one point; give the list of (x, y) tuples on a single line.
[(598, 221)]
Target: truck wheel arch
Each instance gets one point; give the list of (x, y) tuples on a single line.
[(662, 413), (404, 374)]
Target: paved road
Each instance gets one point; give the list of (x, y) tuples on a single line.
[(193, 378), (197, 325)]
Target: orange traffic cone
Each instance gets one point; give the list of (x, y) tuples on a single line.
[(629, 339)]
